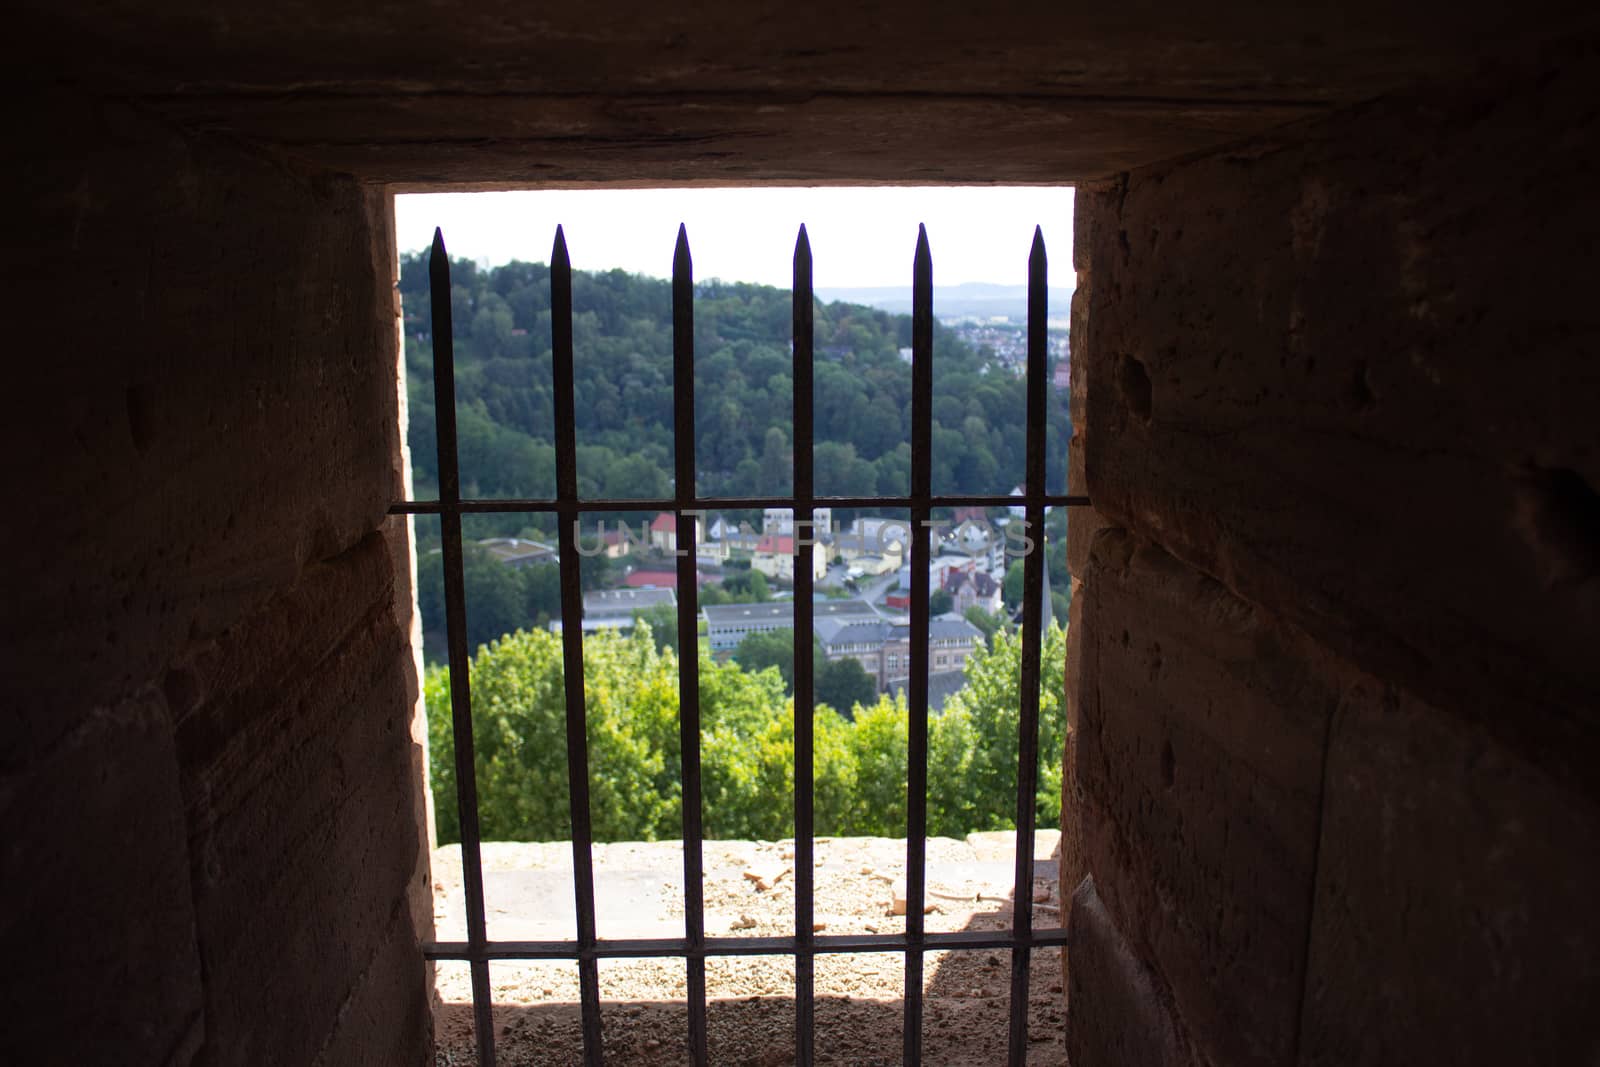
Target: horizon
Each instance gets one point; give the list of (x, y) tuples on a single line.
[(861, 237)]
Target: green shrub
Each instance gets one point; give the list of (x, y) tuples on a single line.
[(747, 746)]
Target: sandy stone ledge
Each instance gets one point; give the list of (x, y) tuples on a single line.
[(749, 891)]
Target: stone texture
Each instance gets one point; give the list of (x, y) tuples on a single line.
[(1117, 1013), (293, 907), (762, 90), (1342, 374), (1092, 205), (1347, 370), (208, 779), (1201, 724), (190, 336), (91, 836), (1455, 901), (1074, 864)]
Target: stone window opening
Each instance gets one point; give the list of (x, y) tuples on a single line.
[(479, 951)]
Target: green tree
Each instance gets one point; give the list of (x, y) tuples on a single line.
[(974, 743), (843, 683), (940, 602), (496, 595), (1011, 588), (984, 621), (747, 731), (663, 622), (747, 587), (774, 649)]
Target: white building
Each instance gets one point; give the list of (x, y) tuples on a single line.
[(780, 521)]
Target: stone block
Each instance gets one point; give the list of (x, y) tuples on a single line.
[(98, 929), (1455, 912), (325, 750), (216, 409), (1117, 1013), (1200, 732), (1348, 370), (1074, 865)]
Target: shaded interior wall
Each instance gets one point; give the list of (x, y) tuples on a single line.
[(1336, 693), (208, 779)]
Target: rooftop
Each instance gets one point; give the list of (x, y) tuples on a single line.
[(733, 613)]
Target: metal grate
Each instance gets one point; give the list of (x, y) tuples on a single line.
[(694, 947)]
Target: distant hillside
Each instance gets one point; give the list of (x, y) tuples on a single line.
[(971, 298), (743, 397)]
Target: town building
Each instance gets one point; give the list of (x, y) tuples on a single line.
[(728, 624), (775, 557), (612, 609), (519, 552), (974, 588), (781, 521), (942, 685), (883, 646), (664, 532)]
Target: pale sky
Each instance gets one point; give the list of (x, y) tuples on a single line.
[(859, 236)]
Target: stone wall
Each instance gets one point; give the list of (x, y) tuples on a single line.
[(208, 777), (1336, 693)]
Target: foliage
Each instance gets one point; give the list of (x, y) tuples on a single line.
[(843, 683), (772, 650), (744, 399), (985, 622), (1011, 588), (663, 622), (747, 746), (746, 587), (974, 742), (499, 598), (940, 601)]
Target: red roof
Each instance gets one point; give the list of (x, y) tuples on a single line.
[(666, 522), (776, 545), (659, 579)]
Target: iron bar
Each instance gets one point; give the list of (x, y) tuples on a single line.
[(444, 397), (572, 640), (742, 503), (1033, 622), (819, 945), (804, 692), (683, 443), (917, 684)]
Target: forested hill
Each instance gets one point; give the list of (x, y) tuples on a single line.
[(622, 328)]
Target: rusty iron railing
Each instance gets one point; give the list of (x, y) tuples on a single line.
[(804, 945)]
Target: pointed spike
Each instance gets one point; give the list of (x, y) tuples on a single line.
[(558, 251), (923, 252), (802, 246), (438, 242), (680, 254), (1037, 252)]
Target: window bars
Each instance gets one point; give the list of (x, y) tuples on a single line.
[(804, 945)]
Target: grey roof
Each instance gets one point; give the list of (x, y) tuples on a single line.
[(850, 631), (941, 687), (730, 614), (624, 602), (944, 626)]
